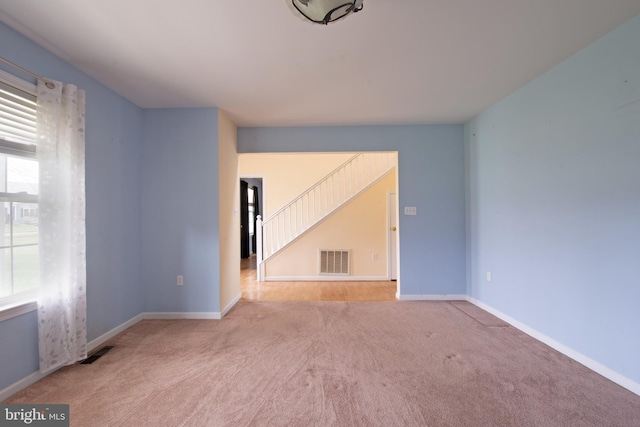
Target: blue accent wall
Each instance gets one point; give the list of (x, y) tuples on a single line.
[(554, 202), (113, 133), (180, 208), (430, 177)]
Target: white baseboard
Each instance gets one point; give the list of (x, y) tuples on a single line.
[(91, 345), (94, 343), (213, 315), (21, 385), (325, 278), (435, 297), (14, 388), (231, 304), (595, 366)]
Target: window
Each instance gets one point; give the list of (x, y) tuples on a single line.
[(19, 264)]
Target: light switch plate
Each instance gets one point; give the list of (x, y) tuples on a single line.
[(410, 210)]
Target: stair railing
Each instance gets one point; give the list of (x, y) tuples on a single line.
[(318, 202)]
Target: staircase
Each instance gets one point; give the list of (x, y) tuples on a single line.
[(318, 202)]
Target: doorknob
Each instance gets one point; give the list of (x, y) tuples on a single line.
[(393, 229)]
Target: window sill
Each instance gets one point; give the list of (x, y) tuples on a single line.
[(17, 309)]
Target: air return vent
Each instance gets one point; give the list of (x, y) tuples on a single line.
[(334, 262), (97, 355)]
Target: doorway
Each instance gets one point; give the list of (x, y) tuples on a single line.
[(288, 174), (251, 204)]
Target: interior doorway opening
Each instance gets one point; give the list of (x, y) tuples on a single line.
[(309, 287)]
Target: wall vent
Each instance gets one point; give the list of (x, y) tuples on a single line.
[(334, 262)]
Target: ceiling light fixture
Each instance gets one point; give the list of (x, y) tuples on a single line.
[(325, 11)]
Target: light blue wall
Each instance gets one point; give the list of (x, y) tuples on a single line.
[(114, 131), (554, 202), (180, 209), (430, 177), (19, 348), (114, 128)]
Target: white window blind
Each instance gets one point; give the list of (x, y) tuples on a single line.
[(17, 119)]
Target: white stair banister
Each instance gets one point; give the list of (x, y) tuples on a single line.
[(258, 232), (318, 202)]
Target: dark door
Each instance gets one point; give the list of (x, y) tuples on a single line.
[(244, 220), (256, 212)]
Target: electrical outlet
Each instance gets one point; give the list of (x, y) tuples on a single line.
[(180, 281), (488, 276), (374, 256)]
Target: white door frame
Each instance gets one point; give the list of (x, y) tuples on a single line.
[(392, 235), (263, 202)]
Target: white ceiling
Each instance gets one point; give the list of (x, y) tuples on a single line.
[(395, 62)]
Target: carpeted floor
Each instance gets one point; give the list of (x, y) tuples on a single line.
[(335, 363)]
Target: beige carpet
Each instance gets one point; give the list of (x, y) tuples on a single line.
[(334, 363)]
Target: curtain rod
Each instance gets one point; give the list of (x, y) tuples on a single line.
[(48, 82)]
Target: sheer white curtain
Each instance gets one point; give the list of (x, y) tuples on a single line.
[(62, 306)]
